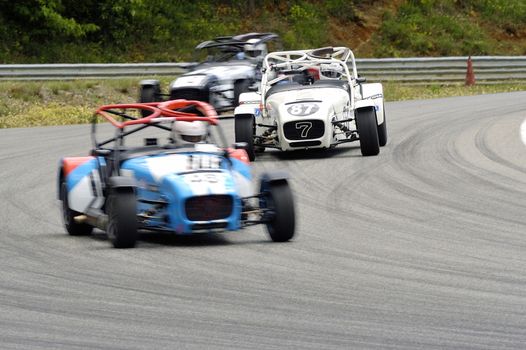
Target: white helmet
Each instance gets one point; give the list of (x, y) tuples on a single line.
[(255, 51), (331, 71), (191, 131)]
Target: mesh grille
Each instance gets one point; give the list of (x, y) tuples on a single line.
[(190, 94), (304, 129), (206, 208)]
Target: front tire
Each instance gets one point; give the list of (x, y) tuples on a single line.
[(281, 224), (244, 130), (367, 131), (122, 226), (72, 227), (148, 93)]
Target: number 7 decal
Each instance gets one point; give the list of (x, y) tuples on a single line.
[(305, 127)]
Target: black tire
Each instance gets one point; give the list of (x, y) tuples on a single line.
[(72, 227), (382, 132), (240, 86), (244, 129), (367, 131), (148, 93), (122, 226), (283, 221)]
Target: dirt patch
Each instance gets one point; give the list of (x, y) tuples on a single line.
[(357, 34)]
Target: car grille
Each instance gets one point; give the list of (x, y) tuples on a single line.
[(190, 94), (304, 129), (206, 208)]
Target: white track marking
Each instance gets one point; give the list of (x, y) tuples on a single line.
[(523, 131)]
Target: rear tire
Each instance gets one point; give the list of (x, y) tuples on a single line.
[(72, 227), (148, 93), (282, 224), (382, 132), (244, 130), (122, 226), (367, 131)]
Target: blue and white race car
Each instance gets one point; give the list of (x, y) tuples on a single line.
[(191, 183)]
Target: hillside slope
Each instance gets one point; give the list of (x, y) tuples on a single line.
[(54, 31)]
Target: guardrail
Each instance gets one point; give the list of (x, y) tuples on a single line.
[(487, 69), (88, 70)]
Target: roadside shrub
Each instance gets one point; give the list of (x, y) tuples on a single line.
[(308, 26), (429, 28), (509, 15)]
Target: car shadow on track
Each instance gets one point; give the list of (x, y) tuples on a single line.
[(338, 152), (155, 239), (166, 239)]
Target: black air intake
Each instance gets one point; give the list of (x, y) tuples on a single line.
[(206, 208), (190, 94), (304, 129)]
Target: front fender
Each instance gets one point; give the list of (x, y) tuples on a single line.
[(272, 176), (249, 103), (372, 96), (122, 183), (248, 108)]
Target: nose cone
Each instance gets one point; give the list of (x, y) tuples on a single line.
[(201, 200)]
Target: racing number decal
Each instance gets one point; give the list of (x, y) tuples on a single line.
[(303, 109), (304, 127), (195, 162), (200, 177)]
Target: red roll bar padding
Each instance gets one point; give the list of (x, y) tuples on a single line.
[(155, 104), (194, 118), (102, 111), (203, 107), (159, 109)]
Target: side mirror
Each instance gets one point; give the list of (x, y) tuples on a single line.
[(151, 141), (241, 145), (101, 152), (360, 80)]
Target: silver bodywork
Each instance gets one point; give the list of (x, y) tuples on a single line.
[(219, 78)]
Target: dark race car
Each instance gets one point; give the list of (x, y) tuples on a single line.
[(229, 66)]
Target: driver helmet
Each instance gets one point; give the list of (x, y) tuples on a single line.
[(191, 131), (255, 51), (331, 71)]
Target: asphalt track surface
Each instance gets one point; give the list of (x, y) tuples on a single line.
[(422, 247)]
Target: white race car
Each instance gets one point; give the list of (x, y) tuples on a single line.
[(311, 99)]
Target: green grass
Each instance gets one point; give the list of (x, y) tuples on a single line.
[(27, 104), (400, 92)]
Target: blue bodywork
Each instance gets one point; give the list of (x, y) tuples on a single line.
[(163, 183), (174, 187)]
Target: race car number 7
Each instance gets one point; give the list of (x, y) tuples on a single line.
[(304, 127)]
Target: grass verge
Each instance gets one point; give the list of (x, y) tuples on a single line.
[(27, 104)]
